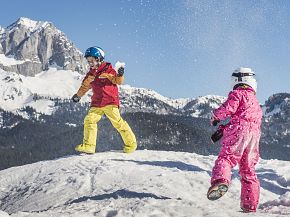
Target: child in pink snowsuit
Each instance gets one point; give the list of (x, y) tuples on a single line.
[(240, 141)]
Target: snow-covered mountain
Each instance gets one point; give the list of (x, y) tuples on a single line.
[(18, 91), (146, 100), (39, 64), (29, 47), (145, 183), (277, 120), (277, 104), (39, 91), (203, 105)]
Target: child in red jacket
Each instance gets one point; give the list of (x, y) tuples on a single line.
[(103, 80)]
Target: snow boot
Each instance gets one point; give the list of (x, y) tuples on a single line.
[(88, 149), (216, 191)]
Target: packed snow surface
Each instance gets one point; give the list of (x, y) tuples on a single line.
[(144, 183)]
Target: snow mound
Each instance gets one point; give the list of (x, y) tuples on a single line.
[(145, 183)]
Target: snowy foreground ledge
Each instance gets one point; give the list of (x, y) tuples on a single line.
[(145, 183)]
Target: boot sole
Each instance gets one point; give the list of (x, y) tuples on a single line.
[(217, 192)]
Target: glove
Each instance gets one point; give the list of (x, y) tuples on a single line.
[(217, 134), (76, 98), (121, 71), (214, 121)]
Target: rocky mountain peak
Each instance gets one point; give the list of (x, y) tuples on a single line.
[(29, 24), (40, 45), (278, 103)]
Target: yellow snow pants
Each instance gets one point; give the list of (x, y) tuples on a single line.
[(90, 129)]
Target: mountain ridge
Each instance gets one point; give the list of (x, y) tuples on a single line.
[(38, 45)]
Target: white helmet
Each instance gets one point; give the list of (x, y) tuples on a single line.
[(244, 76)]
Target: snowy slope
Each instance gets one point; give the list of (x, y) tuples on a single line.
[(145, 183), (18, 91), (8, 61), (13, 94)]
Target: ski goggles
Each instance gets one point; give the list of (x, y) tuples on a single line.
[(240, 75)]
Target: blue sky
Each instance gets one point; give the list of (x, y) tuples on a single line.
[(179, 48)]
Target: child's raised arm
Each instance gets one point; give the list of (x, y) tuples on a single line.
[(115, 78), (229, 107)]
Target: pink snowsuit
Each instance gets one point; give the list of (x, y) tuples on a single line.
[(240, 143)]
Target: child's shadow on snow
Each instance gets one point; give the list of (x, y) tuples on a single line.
[(169, 164), (269, 180), (123, 193)]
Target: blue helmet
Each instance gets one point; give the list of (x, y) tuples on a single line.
[(96, 52)]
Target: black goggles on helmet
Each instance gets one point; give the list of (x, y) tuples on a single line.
[(240, 75)]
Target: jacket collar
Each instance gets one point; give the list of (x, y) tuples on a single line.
[(246, 88), (104, 66)]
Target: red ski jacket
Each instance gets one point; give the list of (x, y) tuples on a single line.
[(105, 89)]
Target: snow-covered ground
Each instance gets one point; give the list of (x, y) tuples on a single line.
[(145, 183)]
